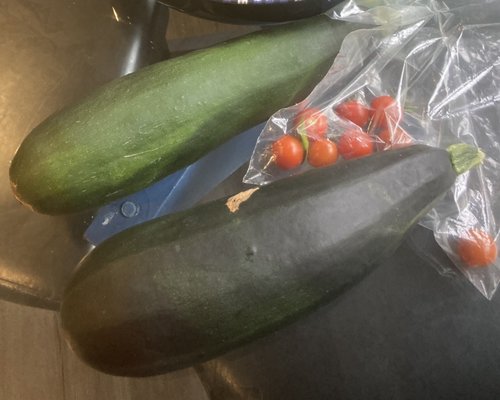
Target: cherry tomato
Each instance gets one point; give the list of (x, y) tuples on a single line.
[(477, 248), (386, 112), (312, 122), (288, 152), (322, 152), (354, 144), (388, 140), (354, 112)]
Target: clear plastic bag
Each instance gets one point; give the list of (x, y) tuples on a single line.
[(421, 72)]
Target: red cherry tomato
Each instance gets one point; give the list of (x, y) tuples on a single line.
[(354, 144), (288, 152), (354, 112), (322, 152), (312, 122), (386, 112), (477, 248), (388, 140)]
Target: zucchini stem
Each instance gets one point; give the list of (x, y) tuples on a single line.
[(464, 157)]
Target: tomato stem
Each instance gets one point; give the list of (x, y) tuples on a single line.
[(303, 136)]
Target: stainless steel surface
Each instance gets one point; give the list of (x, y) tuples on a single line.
[(52, 53)]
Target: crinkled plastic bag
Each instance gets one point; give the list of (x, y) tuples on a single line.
[(440, 62)]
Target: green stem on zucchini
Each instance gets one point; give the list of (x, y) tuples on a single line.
[(464, 157)]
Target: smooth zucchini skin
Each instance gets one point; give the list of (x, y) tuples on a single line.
[(187, 287), (144, 126)]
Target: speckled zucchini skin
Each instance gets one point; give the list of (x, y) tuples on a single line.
[(144, 126), (190, 286)]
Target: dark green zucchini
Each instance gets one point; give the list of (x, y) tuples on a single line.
[(142, 127), (187, 287)]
